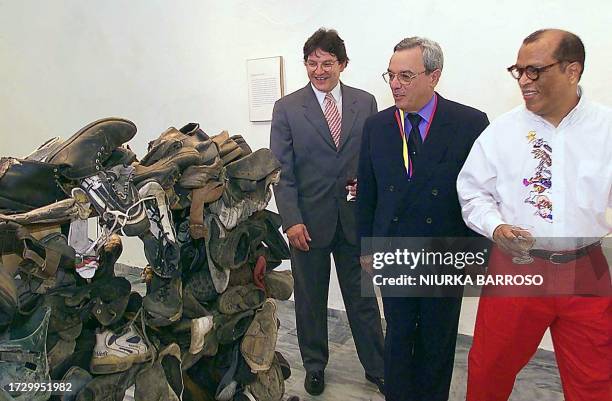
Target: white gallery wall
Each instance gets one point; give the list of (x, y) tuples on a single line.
[(161, 63)]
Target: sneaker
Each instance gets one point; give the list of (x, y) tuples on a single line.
[(117, 353), (240, 298), (165, 304), (199, 328), (114, 196), (259, 341)]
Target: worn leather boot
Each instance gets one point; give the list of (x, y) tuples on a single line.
[(27, 185), (84, 153)]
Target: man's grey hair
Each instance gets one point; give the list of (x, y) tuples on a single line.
[(433, 59)]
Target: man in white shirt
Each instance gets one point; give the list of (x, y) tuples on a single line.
[(543, 172)]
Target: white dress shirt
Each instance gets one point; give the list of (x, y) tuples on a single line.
[(554, 181), (336, 93)]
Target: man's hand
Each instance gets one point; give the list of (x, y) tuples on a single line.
[(367, 262), (506, 236), (299, 237)]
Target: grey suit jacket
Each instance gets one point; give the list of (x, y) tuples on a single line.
[(314, 173)]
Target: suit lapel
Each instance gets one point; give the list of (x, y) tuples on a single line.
[(349, 114), (434, 149), (314, 115)]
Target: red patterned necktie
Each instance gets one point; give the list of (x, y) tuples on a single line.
[(334, 120)]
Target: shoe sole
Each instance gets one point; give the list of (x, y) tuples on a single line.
[(115, 364)]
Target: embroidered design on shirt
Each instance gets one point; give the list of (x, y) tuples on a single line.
[(540, 183)]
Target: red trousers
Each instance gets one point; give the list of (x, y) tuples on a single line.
[(509, 329)]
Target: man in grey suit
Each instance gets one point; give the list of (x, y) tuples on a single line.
[(316, 135)]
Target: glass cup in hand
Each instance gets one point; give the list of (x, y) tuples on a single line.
[(525, 242), (351, 183)]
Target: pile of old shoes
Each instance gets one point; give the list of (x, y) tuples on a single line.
[(207, 325)]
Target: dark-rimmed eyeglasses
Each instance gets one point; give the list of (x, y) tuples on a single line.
[(404, 78), (532, 72)]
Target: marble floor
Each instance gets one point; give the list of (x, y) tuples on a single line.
[(344, 376)]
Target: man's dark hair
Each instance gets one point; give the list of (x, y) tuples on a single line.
[(327, 40), (570, 46)]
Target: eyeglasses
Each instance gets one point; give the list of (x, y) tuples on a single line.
[(325, 66), (532, 72), (404, 78)]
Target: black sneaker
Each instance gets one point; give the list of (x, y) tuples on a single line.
[(314, 383), (113, 194)]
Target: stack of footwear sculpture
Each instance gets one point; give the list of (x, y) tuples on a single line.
[(207, 326)]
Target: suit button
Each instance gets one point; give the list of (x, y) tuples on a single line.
[(391, 188), (428, 220), (434, 192), (395, 219)]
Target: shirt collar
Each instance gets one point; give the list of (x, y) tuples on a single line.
[(573, 114), (336, 93), (427, 110)]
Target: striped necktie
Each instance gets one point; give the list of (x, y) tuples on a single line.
[(334, 120)]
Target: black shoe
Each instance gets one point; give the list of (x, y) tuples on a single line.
[(379, 381), (314, 383)]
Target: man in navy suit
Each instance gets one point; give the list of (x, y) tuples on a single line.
[(410, 157)]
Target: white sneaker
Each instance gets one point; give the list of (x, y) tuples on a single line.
[(199, 328), (117, 353)]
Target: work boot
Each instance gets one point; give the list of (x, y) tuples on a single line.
[(24, 357), (27, 185), (279, 284), (8, 299), (269, 385), (182, 158), (259, 340), (115, 198), (244, 146), (240, 298), (165, 304), (78, 378), (84, 153), (111, 387), (118, 352)]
